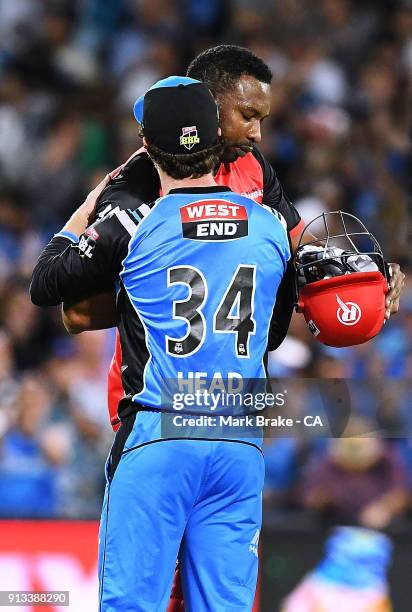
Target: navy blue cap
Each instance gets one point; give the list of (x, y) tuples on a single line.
[(172, 81), (178, 115)]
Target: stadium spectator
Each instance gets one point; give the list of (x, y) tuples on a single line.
[(29, 456), (359, 480)]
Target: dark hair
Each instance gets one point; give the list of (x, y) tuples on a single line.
[(188, 165), (222, 66)]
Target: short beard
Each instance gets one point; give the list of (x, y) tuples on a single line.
[(229, 155)]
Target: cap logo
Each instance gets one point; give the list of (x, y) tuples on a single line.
[(348, 313), (189, 137)]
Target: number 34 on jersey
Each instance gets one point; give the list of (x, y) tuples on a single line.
[(234, 314)]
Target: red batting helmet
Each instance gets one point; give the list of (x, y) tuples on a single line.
[(342, 280)]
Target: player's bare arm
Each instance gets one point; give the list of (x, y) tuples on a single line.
[(96, 312)]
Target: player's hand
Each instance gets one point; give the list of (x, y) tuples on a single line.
[(396, 283), (375, 515), (85, 214), (89, 205)]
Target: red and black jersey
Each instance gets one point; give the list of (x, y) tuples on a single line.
[(252, 176), (138, 183)]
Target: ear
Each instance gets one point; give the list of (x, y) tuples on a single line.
[(219, 132)]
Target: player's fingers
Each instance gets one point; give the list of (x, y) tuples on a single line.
[(95, 193), (103, 183), (397, 277), (395, 306), (393, 270), (392, 309), (89, 205), (115, 172), (397, 281), (393, 297)]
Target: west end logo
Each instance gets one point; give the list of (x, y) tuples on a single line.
[(189, 137), (214, 220), (348, 313)]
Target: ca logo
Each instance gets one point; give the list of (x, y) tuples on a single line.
[(348, 313)]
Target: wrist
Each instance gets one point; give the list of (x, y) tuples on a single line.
[(67, 234), (77, 223)]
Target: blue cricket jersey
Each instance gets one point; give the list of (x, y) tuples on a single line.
[(201, 273)]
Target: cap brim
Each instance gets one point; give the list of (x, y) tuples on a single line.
[(138, 109)]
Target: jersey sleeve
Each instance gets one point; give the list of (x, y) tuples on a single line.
[(68, 270), (275, 197), (283, 309)]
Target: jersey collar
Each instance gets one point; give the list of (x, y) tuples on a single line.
[(211, 189)]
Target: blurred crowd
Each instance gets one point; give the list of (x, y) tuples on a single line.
[(338, 138)]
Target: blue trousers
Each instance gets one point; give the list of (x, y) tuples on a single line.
[(194, 500)]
